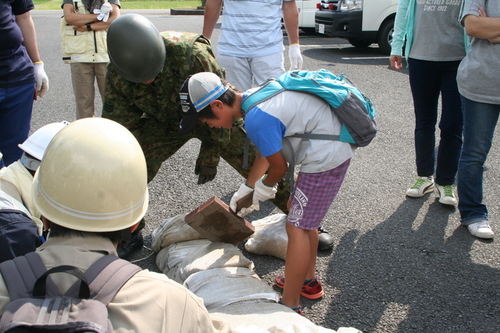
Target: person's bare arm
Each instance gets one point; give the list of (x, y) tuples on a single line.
[(275, 165), (25, 22), (101, 25), (259, 168), (482, 26), (291, 21), (277, 169), (77, 19), (211, 16)]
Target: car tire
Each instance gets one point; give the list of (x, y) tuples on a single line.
[(363, 43), (309, 31), (385, 36)]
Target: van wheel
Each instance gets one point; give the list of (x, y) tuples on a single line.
[(309, 31), (385, 36), (359, 42)]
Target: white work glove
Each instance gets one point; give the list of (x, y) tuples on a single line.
[(263, 192), (41, 78), (241, 193), (295, 57), (104, 12)]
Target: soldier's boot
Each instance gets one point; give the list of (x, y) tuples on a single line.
[(125, 249), (325, 240)]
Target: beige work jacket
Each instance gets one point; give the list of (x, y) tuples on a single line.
[(16, 178), (148, 302)]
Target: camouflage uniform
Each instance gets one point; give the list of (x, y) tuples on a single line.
[(152, 112)]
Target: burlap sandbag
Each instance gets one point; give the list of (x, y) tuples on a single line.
[(173, 230), (180, 260), (269, 317), (270, 237), (213, 255), (169, 259), (224, 286)]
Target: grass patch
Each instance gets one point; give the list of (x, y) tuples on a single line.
[(136, 4)]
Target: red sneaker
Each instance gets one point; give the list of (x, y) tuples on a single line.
[(311, 289)]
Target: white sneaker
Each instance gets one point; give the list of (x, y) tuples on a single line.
[(447, 195), (422, 186), (481, 229)]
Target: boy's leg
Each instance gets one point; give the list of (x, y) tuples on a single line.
[(312, 198), (300, 257), (313, 248)]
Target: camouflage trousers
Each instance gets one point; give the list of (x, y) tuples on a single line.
[(159, 144)]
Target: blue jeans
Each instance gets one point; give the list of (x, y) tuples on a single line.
[(16, 105), (480, 120), (428, 80)]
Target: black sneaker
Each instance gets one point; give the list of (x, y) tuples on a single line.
[(125, 249), (325, 240)]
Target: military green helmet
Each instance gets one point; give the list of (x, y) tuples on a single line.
[(136, 48)]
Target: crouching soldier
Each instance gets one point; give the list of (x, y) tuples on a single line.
[(146, 71)]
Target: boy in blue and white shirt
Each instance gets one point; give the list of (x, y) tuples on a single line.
[(324, 163)]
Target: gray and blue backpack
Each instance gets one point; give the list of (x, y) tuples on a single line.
[(354, 110)]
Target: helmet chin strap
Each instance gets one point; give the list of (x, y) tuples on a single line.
[(30, 162)]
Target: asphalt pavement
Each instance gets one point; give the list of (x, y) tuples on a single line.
[(398, 264)]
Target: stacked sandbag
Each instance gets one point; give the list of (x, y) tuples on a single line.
[(173, 230), (170, 259), (224, 278), (230, 285), (211, 270), (269, 318), (270, 237)]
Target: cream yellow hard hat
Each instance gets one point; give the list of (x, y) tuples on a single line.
[(92, 178)]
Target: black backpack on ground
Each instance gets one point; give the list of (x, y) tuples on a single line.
[(37, 305)]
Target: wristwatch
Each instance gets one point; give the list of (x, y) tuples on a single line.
[(89, 28)]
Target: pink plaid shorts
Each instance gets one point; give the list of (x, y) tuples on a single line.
[(313, 196)]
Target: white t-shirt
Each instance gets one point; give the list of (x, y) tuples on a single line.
[(289, 113), (251, 28)]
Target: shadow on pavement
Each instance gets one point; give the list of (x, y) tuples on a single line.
[(411, 272)]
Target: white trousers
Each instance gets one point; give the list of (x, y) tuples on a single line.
[(245, 73)]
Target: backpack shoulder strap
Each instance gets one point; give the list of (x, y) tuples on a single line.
[(314, 136), (21, 273), (268, 89), (107, 276)]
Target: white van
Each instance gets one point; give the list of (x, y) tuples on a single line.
[(361, 22), (307, 9)]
